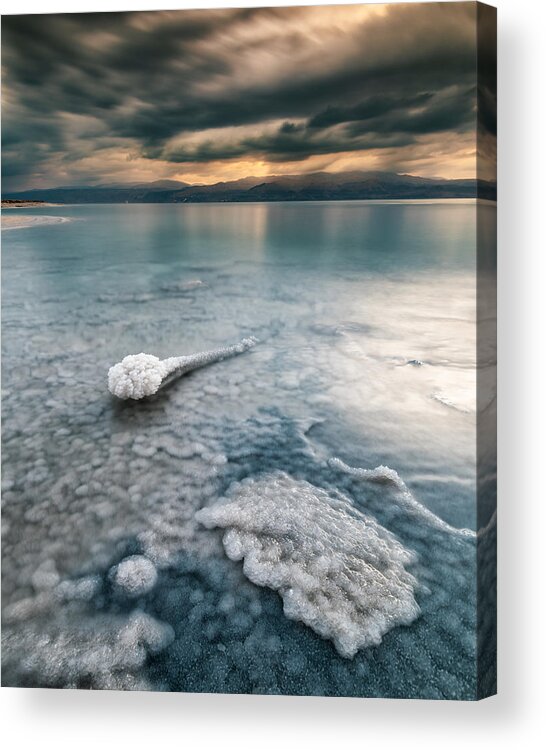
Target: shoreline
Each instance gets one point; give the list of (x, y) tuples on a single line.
[(28, 204), (26, 222)]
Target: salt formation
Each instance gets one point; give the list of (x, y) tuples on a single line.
[(135, 576), (385, 475), (104, 652), (337, 570), (141, 375)]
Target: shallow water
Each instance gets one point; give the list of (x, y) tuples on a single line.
[(366, 318)]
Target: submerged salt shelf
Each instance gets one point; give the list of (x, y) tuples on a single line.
[(109, 578)]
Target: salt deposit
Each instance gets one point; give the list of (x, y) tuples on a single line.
[(385, 475), (136, 376), (104, 653), (140, 375), (337, 570), (134, 576)]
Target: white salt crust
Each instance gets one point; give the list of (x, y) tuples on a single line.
[(337, 570)]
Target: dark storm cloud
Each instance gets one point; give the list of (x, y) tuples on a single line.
[(449, 110), (370, 108), (290, 142), (76, 84)]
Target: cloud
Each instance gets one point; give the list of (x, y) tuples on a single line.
[(273, 85)]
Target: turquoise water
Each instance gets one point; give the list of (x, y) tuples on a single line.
[(365, 314)]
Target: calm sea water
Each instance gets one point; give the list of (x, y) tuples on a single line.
[(365, 314)]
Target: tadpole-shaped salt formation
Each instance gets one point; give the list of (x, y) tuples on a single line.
[(336, 569), (141, 375)]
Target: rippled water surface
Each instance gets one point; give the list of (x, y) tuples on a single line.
[(365, 314)]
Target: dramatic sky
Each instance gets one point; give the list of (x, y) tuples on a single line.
[(203, 96)]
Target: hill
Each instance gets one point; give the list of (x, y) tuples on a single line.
[(316, 186)]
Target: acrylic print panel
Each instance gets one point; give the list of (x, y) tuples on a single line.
[(249, 351)]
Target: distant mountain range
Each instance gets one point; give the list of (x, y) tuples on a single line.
[(309, 187)]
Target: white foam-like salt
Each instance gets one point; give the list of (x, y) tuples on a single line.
[(337, 570), (135, 575), (136, 376)]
